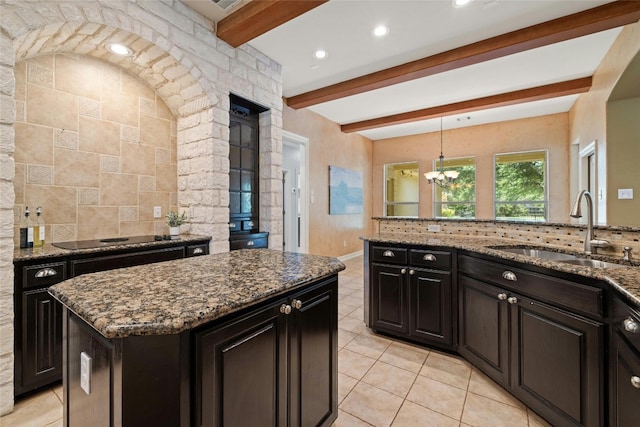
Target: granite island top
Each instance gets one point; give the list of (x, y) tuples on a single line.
[(625, 280), (50, 251), (173, 296)]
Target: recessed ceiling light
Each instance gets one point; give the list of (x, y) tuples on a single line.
[(320, 54), (380, 31), (119, 49), (460, 3)]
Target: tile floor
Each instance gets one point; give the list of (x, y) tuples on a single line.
[(381, 381)]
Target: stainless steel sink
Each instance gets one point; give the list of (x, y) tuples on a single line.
[(591, 263), (539, 253)]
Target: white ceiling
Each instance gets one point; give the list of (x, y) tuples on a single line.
[(421, 28)]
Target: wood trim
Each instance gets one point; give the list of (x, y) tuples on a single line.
[(258, 17), (570, 87), (580, 24)]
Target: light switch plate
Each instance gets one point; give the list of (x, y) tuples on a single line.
[(85, 372), (157, 211), (433, 227), (625, 193)]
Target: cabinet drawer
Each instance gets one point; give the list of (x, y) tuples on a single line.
[(91, 265), (437, 260), (41, 275), (195, 250), (559, 292), (389, 254), (260, 242), (234, 226), (248, 225)]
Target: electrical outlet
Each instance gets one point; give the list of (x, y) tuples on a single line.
[(433, 227), (85, 372), (625, 193), (157, 211)]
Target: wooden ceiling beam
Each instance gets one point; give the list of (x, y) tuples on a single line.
[(610, 15), (259, 16), (554, 90)]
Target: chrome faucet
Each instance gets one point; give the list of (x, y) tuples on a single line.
[(589, 241)]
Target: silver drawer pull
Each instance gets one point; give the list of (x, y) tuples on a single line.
[(232, 225), (502, 296), (250, 243), (412, 272), (297, 304), (429, 257), (512, 300), (46, 272), (635, 381), (285, 309), (388, 253), (197, 251), (403, 271), (510, 275), (630, 325), (250, 224)]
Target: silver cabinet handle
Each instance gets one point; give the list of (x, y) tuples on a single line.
[(630, 325), (297, 304), (388, 253), (197, 251), (285, 309), (404, 270), (232, 225), (250, 224), (429, 257), (635, 381), (512, 300), (509, 275), (502, 296), (412, 272), (250, 243), (46, 272)]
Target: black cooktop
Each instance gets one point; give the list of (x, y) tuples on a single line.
[(90, 244)]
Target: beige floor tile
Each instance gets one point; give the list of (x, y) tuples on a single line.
[(485, 386), (447, 370), (375, 406), (390, 378), (348, 420), (345, 385), (404, 357), (58, 423), (59, 392), (355, 298), (352, 324), (437, 396), (536, 420), (344, 292), (368, 345), (345, 309), (36, 411), (353, 364), (412, 415), (480, 411), (345, 337)]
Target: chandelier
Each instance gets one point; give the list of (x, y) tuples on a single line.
[(441, 177)]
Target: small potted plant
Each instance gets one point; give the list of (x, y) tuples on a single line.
[(175, 220)]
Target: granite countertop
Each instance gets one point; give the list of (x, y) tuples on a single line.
[(625, 280), (50, 251), (173, 296)]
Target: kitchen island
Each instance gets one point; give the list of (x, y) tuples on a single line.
[(242, 338)]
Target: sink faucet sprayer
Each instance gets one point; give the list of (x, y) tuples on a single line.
[(589, 240)]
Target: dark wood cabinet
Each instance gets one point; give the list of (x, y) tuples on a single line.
[(248, 240), (122, 260), (276, 366), (550, 358), (412, 299)]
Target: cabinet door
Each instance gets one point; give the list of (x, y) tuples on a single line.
[(389, 299), (557, 360), (42, 339), (430, 311), (625, 384), (241, 372), (313, 358), (483, 328)]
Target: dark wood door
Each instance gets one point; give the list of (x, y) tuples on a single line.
[(625, 384), (430, 311), (42, 339), (483, 328), (241, 372), (389, 299), (557, 360), (313, 364)]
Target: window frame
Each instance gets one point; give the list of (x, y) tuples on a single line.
[(386, 204), (435, 203)]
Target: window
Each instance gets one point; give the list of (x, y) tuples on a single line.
[(521, 186), (401, 189), (458, 200)]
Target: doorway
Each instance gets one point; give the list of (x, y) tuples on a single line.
[(295, 193)]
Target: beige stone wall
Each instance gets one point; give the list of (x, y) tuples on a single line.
[(481, 142), (179, 57), (95, 147), (329, 146)]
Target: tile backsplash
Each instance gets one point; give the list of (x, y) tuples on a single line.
[(95, 148)]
